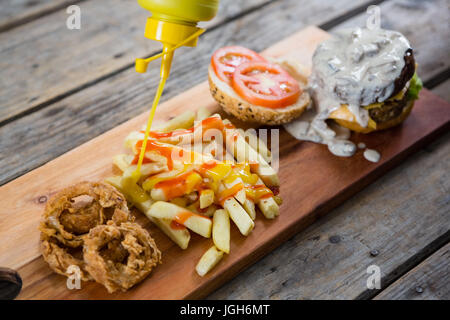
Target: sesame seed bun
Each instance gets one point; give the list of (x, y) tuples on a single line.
[(233, 104)]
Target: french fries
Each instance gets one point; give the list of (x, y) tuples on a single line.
[(208, 261), (206, 198), (169, 211), (180, 236), (132, 138), (122, 161), (202, 114), (269, 208), (278, 200), (240, 195), (182, 121), (221, 230), (243, 152), (239, 216), (201, 191), (188, 187), (249, 206), (207, 212), (257, 144)]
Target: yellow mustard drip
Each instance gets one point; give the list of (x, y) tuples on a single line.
[(136, 193), (217, 174), (166, 62), (242, 171), (137, 173)]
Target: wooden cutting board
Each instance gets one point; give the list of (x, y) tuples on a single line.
[(313, 181)]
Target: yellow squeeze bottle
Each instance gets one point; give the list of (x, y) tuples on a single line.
[(174, 24)]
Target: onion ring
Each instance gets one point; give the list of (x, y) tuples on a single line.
[(70, 215), (119, 256)]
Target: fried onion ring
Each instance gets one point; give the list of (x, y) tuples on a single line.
[(60, 258), (119, 256), (70, 215)]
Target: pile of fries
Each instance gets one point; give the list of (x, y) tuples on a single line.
[(198, 172)]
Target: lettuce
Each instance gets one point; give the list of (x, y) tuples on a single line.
[(415, 85)]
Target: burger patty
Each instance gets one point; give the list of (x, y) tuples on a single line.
[(388, 110), (393, 108), (407, 72)]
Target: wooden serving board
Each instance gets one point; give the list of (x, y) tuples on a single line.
[(313, 181)]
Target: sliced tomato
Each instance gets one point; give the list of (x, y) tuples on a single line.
[(226, 59), (265, 84)]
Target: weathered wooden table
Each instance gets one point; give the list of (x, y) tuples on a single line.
[(60, 88)]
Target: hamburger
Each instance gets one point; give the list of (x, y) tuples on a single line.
[(365, 79)]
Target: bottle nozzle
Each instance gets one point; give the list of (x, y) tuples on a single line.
[(172, 36), (142, 64), (166, 61)]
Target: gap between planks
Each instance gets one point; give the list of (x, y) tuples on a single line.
[(407, 266), (222, 20), (429, 280), (438, 79), (327, 25)]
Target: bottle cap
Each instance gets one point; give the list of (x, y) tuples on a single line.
[(170, 32)]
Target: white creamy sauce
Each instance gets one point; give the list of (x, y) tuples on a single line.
[(361, 145), (357, 67), (372, 155), (334, 136)]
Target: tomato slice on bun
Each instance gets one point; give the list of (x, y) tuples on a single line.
[(265, 84), (226, 59)]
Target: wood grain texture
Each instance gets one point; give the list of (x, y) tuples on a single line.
[(430, 280), (315, 268), (16, 12), (433, 162), (84, 115), (443, 90), (110, 38), (338, 178), (399, 215)]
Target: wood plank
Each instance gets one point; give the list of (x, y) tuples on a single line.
[(428, 281), (443, 90), (287, 290), (65, 60), (318, 263), (399, 215), (86, 114), (17, 12), (338, 178), (417, 191)]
